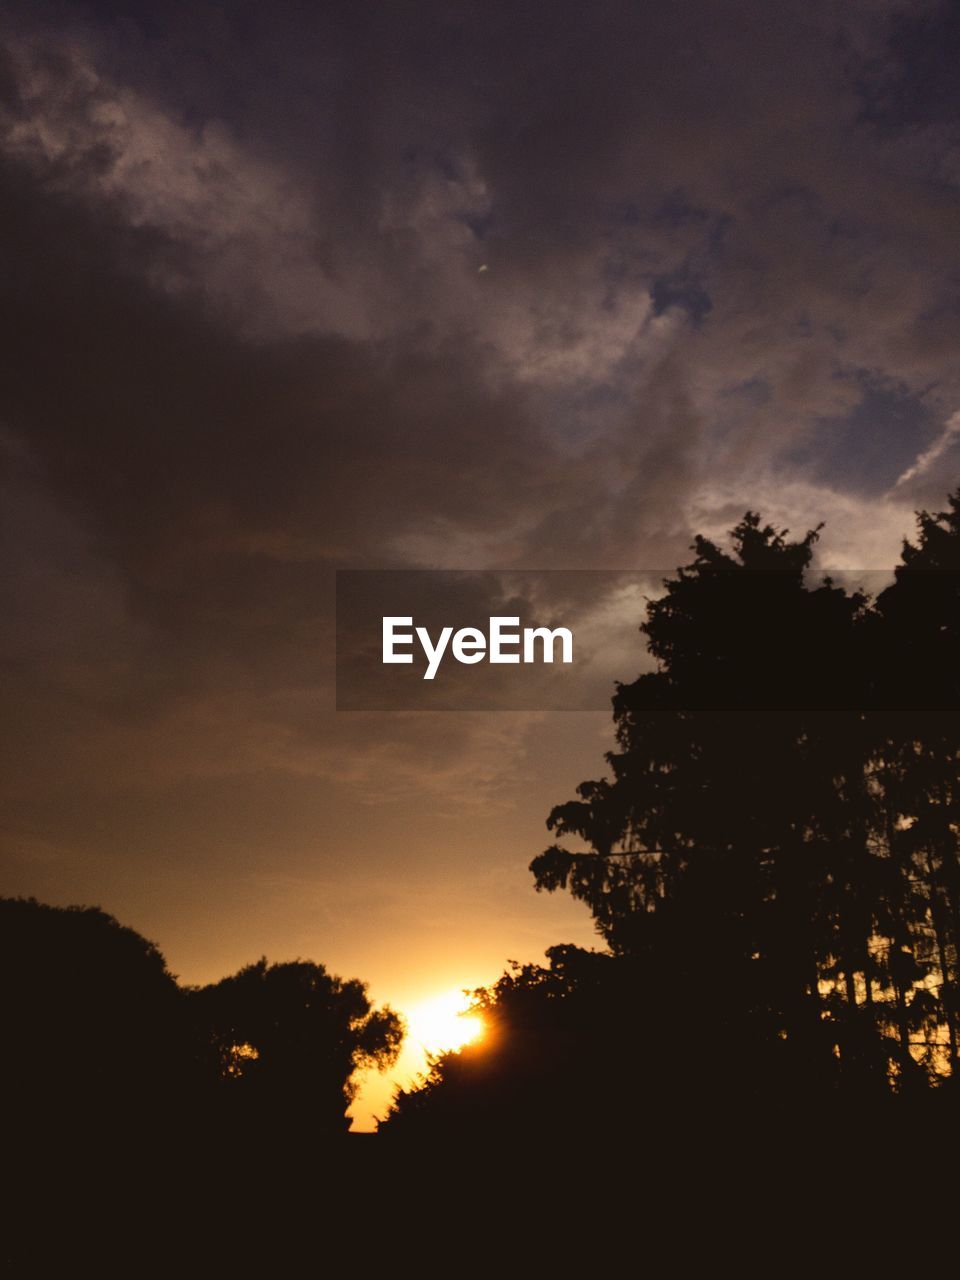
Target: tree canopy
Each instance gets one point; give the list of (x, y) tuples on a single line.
[(780, 811), (91, 1015), (96, 1029), (772, 856), (289, 1037)]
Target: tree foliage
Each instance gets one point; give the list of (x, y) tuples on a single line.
[(289, 1038), (91, 1016), (780, 813), (97, 1031), (771, 858)]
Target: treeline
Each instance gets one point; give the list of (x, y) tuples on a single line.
[(152, 1128), (772, 860), (99, 1037)]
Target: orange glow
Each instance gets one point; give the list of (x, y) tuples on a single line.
[(442, 1023), (237, 1057)]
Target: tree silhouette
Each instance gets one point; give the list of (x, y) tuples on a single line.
[(772, 858), (775, 779), (919, 744), (93, 1024), (147, 1123), (545, 1028), (288, 1038), (707, 850), (97, 1034)]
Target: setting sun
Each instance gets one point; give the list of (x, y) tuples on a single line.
[(442, 1022)]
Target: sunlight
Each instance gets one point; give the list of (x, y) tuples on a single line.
[(442, 1023)]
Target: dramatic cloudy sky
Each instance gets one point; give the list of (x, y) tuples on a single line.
[(293, 287)]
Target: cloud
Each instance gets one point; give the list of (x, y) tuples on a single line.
[(936, 451)]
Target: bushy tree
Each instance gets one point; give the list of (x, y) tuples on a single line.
[(546, 1028), (97, 1033), (93, 1024), (288, 1038)]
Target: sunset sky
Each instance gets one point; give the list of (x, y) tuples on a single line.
[(294, 287)]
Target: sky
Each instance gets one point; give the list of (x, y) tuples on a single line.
[(293, 288)]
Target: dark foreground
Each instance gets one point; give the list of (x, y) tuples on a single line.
[(846, 1192)]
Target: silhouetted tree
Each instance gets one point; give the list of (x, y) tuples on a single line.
[(288, 1038), (146, 1123), (97, 1035), (713, 844), (780, 811), (93, 1024), (549, 1031), (772, 858), (919, 748)]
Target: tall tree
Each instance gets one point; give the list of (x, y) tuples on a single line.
[(772, 860), (779, 824), (919, 743)]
